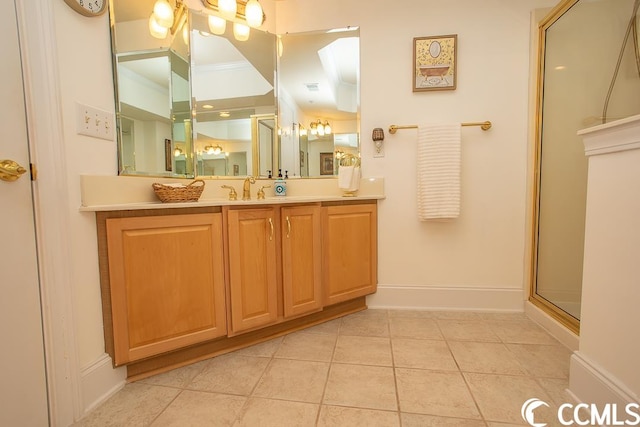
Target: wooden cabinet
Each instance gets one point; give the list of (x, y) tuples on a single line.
[(166, 283), (181, 284), (253, 282), (349, 251), (301, 260)]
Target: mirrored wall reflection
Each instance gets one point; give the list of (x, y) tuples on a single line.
[(198, 104), (233, 85), (319, 100), (153, 94)]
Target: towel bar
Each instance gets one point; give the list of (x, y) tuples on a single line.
[(486, 125)]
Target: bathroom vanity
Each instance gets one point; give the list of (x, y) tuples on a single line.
[(182, 282)]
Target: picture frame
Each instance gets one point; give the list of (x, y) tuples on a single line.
[(435, 63), (168, 155), (326, 163)]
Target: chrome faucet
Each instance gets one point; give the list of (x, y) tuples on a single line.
[(246, 187)]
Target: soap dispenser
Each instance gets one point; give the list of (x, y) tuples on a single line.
[(280, 185)]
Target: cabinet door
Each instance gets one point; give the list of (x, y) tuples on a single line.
[(252, 268), (167, 283), (301, 260), (349, 251)]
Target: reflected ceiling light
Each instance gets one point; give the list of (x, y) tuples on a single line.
[(244, 14), (177, 152), (217, 25), (213, 149), (163, 13), (327, 128), (225, 114), (157, 30), (227, 8), (241, 32), (319, 128), (253, 13), (207, 106), (165, 19)]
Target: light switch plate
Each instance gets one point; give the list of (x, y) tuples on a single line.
[(94, 122)]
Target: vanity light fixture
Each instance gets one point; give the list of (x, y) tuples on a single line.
[(165, 18), (213, 149), (177, 152), (243, 14), (319, 128)]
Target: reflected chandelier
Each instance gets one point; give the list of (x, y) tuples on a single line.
[(243, 14), (319, 128)]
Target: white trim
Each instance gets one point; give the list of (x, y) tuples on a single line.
[(97, 377), (590, 383), (46, 146), (621, 135), (556, 329), (446, 298)]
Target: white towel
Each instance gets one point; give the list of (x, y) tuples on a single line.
[(349, 178), (438, 171)]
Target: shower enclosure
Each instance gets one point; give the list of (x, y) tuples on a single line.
[(589, 74)]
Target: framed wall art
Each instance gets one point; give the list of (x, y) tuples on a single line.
[(435, 63), (168, 155), (326, 163)]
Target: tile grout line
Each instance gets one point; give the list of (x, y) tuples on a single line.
[(393, 367), (326, 380), (250, 394)]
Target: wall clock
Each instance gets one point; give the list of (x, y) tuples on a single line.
[(88, 7)]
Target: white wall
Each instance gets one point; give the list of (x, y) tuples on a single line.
[(482, 252)]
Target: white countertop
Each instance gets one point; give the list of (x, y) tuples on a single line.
[(112, 193)]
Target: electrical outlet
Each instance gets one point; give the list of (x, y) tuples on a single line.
[(93, 122), (378, 148)]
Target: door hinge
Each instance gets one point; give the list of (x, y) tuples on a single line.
[(33, 171)]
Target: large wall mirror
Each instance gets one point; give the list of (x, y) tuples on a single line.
[(579, 86), (319, 100), (200, 104)]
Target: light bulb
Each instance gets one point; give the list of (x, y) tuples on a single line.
[(217, 25), (320, 128), (327, 128), (253, 13), (241, 32), (280, 47), (163, 13), (156, 29), (227, 8), (185, 35)]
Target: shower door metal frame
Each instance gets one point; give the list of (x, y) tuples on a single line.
[(555, 312)]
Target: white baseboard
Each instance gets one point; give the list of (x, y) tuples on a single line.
[(446, 298), (555, 328), (590, 383), (99, 381)]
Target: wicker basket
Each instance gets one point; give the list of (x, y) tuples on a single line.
[(188, 193)]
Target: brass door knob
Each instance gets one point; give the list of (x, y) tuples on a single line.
[(10, 170)]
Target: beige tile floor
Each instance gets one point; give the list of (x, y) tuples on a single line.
[(373, 368)]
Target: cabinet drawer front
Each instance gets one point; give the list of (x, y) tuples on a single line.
[(167, 282)]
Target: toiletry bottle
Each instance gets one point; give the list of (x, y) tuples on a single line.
[(280, 185)]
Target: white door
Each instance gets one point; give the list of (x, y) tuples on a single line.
[(23, 388)]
